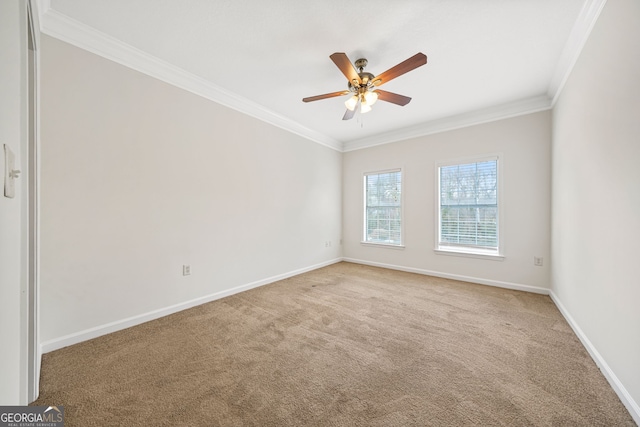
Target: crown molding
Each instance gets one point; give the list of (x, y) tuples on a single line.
[(485, 115), (573, 47), (41, 7), (60, 26)]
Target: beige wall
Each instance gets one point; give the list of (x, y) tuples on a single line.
[(140, 177), (596, 200), (524, 143)]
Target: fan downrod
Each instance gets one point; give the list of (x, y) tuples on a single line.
[(361, 63)]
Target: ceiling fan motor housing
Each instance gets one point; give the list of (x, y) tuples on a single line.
[(365, 78), (366, 82)]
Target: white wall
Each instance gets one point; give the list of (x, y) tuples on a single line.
[(596, 196), (13, 115), (525, 146), (140, 177)]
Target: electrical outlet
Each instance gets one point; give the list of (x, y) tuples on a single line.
[(537, 261), (186, 270)]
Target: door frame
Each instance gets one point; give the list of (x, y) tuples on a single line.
[(31, 208)]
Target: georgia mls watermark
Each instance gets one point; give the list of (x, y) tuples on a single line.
[(31, 416)]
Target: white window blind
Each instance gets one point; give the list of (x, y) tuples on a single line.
[(469, 206), (383, 207)]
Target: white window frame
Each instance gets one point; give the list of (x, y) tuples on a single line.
[(470, 251), (364, 240)]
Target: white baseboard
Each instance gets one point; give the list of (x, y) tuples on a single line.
[(489, 282), (621, 391), (78, 337)]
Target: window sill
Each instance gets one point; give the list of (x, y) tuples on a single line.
[(470, 253), (383, 245)]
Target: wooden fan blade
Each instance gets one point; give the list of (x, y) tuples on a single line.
[(412, 63), (325, 96), (347, 68), (394, 98), (348, 115)]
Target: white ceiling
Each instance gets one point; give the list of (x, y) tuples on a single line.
[(486, 58)]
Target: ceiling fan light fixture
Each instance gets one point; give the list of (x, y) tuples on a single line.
[(364, 108), (351, 102), (371, 97)]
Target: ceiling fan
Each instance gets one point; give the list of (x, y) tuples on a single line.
[(363, 86)]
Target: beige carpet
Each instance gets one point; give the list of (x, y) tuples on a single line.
[(346, 345)]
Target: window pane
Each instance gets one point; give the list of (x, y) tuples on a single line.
[(469, 205), (383, 210)]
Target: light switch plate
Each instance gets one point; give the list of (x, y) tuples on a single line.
[(9, 166)]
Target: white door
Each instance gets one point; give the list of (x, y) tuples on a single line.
[(18, 268)]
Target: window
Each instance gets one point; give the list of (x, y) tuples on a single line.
[(383, 207), (468, 220)]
